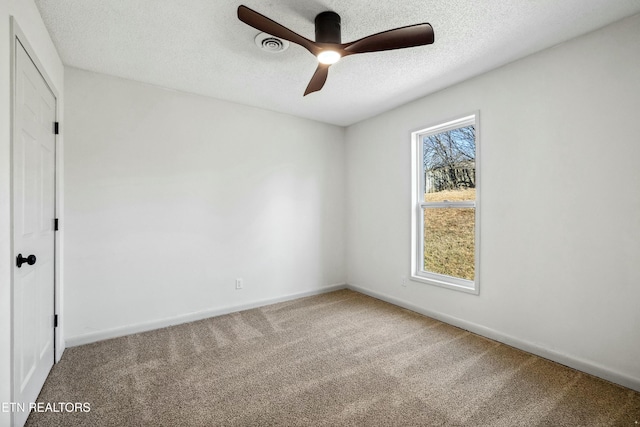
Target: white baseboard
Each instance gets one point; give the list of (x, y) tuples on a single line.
[(191, 317), (61, 345), (564, 359)]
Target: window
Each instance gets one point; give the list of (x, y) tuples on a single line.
[(445, 232)]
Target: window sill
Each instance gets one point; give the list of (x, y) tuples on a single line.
[(449, 283)]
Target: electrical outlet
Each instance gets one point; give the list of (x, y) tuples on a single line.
[(239, 284), (403, 281)]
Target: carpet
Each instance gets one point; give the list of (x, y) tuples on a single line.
[(336, 359)]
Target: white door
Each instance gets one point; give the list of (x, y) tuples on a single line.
[(33, 231)]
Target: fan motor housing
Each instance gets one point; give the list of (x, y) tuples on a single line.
[(328, 28)]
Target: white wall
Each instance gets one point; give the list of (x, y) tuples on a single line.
[(28, 18), (560, 208), (170, 197)]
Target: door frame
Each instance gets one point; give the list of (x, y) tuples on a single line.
[(18, 36)]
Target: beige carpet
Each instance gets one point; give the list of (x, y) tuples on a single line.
[(336, 359)]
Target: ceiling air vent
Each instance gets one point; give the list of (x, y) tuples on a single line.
[(270, 43)]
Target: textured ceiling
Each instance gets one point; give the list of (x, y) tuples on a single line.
[(200, 46)]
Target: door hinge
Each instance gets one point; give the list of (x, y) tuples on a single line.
[(56, 224), (55, 320), (56, 128)]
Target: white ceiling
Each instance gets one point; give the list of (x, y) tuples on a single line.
[(200, 46)]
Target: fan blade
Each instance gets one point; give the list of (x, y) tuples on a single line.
[(318, 79), (410, 36), (262, 23)]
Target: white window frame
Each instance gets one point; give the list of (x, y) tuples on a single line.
[(418, 273)]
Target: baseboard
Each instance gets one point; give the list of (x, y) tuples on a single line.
[(191, 317), (61, 345), (564, 359)]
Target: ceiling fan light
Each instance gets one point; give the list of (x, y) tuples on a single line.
[(328, 57)]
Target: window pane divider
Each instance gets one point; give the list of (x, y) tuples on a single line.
[(447, 204)]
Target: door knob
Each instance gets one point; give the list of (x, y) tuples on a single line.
[(31, 259)]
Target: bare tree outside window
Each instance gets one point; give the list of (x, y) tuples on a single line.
[(449, 161)]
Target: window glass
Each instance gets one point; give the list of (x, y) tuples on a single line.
[(449, 243), (449, 164)]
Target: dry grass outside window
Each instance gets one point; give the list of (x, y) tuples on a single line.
[(449, 235)]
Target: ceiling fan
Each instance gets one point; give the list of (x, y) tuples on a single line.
[(328, 47)]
